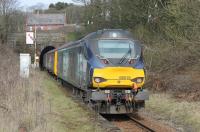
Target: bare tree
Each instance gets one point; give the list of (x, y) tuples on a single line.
[(80, 1), (38, 6), (7, 7)]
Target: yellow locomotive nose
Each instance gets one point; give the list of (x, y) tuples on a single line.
[(118, 77)]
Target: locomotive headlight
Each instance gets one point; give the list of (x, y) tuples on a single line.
[(138, 80), (99, 79)]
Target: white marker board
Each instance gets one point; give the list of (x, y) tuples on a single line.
[(29, 38)]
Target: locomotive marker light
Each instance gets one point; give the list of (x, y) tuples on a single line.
[(107, 91), (127, 91)]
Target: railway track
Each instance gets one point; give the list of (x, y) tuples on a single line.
[(116, 123), (129, 123), (67, 89), (142, 125)]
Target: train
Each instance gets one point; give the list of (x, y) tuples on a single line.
[(105, 67)]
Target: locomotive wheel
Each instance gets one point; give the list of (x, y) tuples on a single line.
[(107, 107)]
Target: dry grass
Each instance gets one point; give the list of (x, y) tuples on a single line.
[(173, 75), (67, 115), (21, 100), (184, 113), (36, 104)]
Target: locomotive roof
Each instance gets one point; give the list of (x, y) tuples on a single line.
[(102, 34), (109, 34)]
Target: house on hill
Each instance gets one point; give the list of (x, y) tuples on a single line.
[(45, 22)]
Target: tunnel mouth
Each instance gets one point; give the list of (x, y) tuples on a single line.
[(45, 50)]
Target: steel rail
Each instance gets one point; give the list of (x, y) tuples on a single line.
[(141, 124)]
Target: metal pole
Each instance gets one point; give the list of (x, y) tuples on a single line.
[(35, 45)]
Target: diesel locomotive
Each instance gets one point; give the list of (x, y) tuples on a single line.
[(106, 67)]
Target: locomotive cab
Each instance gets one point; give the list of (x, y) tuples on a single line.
[(118, 72), (118, 57)]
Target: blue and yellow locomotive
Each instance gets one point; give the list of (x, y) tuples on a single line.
[(106, 67)]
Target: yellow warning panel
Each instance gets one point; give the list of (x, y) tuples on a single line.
[(56, 63)]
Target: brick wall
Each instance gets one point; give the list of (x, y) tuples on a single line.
[(43, 27)]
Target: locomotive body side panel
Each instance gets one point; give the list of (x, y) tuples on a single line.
[(72, 66), (60, 64)]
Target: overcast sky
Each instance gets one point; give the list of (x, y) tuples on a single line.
[(28, 3)]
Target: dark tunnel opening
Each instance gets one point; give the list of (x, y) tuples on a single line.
[(45, 50)]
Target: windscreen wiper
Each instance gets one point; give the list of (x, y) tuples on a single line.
[(102, 57), (125, 56)]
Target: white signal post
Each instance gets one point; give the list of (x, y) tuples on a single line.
[(35, 45), (31, 39)]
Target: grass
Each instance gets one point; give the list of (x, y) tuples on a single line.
[(180, 112), (37, 104), (41, 105), (67, 115)]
